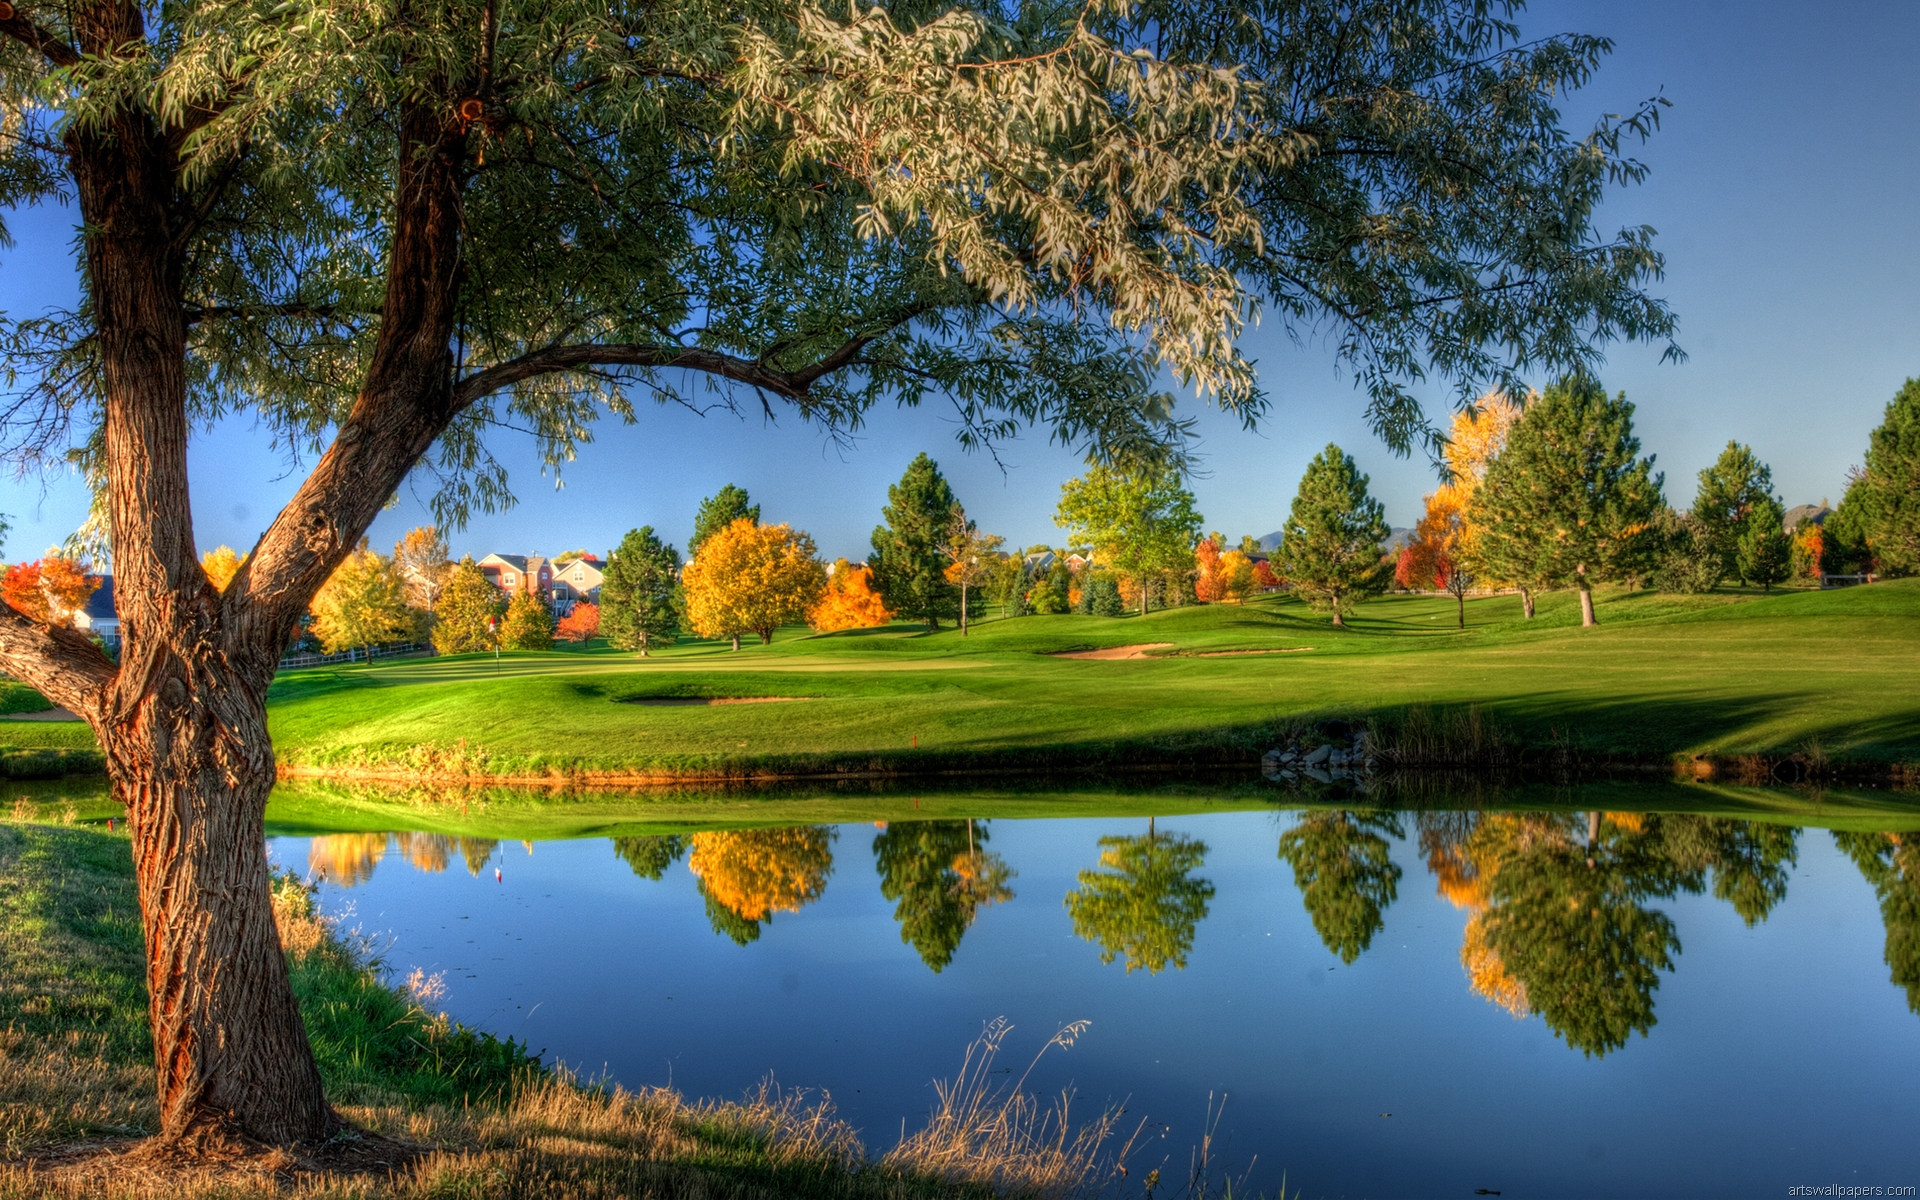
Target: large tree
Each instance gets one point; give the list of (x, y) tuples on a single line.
[(1570, 500), (1730, 491), (1886, 491), (909, 560), (1145, 902), (636, 597), (731, 503), (1140, 523), (1330, 546), (752, 579), (387, 230), (1343, 865), (939, 877)]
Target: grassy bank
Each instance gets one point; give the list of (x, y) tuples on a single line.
[(1722, 674), (474, 1116)]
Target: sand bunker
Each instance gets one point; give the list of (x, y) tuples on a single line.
[(1233, 653), (1112, 652), (703, 701)]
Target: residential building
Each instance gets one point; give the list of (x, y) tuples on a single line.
[(518, 573), (578, 580), (99, 616)]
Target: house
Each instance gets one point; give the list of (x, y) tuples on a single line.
[(99, 616), (1039, 562), (518, 573), (578, 580)]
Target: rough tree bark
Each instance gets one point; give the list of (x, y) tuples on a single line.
[(1526, 601), (1586, 598)]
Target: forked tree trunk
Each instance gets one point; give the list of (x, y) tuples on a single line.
[(230, 1049)]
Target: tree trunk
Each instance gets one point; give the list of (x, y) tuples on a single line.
[(230, 1050), (1526, 602), (963, 610), (1586, 601), (1462, 598), (736, 643)]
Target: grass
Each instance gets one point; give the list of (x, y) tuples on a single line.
[(484, 1120), (1722, 674)]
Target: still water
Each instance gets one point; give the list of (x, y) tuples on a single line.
[(1422, 1003)]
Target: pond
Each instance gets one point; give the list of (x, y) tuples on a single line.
[(1623, 990)]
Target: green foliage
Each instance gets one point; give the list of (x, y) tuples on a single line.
[(939, 879), (1050, 594), (1007, 586), (908, 566), (1144, 903), (716, 512), (1568, 924), (1736, 486), (1891, 863), (1568, 500), (528, 624), (1889, 484), (1342, 863), (467, 611), (638, 607), (1330, 550), (364, 603), (1844, 548), (741, 931), (1102, 593), (1689, 563), (1764, 552), (650, 856), (1141, 524)]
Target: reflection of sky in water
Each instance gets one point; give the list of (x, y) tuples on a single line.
[(1781, 1054)]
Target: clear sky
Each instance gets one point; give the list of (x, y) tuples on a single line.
[(1783, 190)]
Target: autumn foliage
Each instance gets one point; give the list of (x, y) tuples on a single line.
[(751, 578), (850, 601), (1222, 575), (50, 591), (221, 564), (755, 873), (580, 624)]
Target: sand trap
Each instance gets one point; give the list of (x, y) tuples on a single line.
[(1234, 653), (1113, 652), (51, 714), (704, 701)]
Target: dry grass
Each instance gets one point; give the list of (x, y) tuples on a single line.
[(59, 1090), (1448, 737)]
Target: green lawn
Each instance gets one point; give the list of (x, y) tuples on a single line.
[(1726, 673)]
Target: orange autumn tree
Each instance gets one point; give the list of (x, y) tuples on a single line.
[(49, 591), (849, 601), (1435, 554), (580, 624), (748, 875), (751, 578)]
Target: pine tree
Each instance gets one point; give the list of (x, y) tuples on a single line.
[(718, 511), (637, 608), (465, 616), (1889, 486), (1330, 551), (907, 560), (528, 624), (1765, 550), (1732, 489), (1569, 500)]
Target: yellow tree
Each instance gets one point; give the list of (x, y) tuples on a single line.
[(1435, 554), (748, 875), (363, 602), (221, 564), (751, 578), (849, 601), (973, 557), (420, 558)]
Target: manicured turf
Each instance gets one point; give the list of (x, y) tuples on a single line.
[(1726, 673)]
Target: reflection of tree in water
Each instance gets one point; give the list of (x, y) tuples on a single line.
[(1891, 863), (940, 877), (650, 856), (345, 859), (1343, 866), (1144, 904), (348, 859), (1558, 924), (748, 875)]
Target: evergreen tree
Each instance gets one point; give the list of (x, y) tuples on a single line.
[(1844, 549), (1687, 562), (1103, 596), (1764, 553), (717, 512), (1330, 550), (1343, 865), (1736, 486), (1889, 486), (938, 878), (637, 608), (528, 624), (1569, 500), (465, 615), (650, 856), (1891, 863), (907, 561)]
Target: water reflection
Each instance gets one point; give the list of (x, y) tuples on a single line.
[(940, 876), (748, 875), (348, 859), (1891, 863), (1342, 866), (1145, 902)]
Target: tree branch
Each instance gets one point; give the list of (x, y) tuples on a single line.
[(16, 25), (57, 661)]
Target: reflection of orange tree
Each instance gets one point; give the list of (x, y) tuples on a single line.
[(748, 875), (345, 859), (1464, 852)]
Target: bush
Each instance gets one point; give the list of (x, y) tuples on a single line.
[(1689, 560)]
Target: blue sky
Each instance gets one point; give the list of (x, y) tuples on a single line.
[(1783, 189)]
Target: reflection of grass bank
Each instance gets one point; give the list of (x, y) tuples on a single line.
[(471, 1116)]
